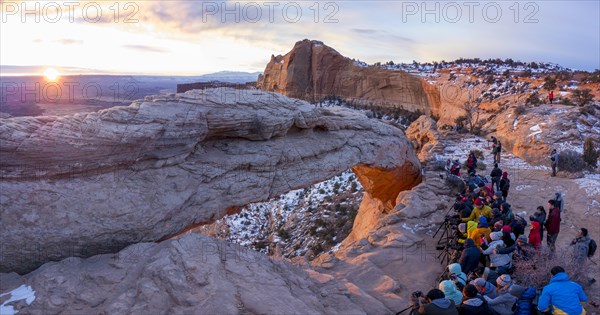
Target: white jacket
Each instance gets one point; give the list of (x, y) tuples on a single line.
[(497, 260)]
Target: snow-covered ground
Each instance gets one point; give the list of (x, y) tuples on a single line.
[(23, 292), (590, 183), (297, 221)]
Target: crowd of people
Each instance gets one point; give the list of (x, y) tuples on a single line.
[(491, 238)]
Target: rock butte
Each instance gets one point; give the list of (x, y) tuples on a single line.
[(313, 71), (94, 183)]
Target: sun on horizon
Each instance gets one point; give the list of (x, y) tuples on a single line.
[(51, 74)]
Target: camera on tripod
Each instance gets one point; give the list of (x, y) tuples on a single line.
[(416, 294)]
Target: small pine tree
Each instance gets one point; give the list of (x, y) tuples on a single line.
[(590, 154), (549, 83), (583, 97)]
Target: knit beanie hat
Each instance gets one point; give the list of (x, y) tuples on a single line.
[(478, 202), (503, 280), (495, 236), (517, 290), (479, 282), (507, 229)]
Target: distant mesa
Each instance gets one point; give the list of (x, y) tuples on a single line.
[(313, 71), (182, 88)]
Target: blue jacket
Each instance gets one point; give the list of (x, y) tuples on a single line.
[(525, 301), (562, 297)]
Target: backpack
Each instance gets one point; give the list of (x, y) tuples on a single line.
[(592, 248)]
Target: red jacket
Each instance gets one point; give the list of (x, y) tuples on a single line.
[(535, 238), (553, 223)]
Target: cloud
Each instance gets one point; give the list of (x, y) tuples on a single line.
[(364, 31), (145, 48), (381, 34)]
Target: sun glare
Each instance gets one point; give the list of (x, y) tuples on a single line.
[(51, 74)]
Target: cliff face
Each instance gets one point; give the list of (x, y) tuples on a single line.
[(193, 275), (312, 71), (94, 183)]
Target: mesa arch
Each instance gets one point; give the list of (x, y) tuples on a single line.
[(94, 183)]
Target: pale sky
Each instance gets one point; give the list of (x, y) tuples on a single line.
[(199, 37)]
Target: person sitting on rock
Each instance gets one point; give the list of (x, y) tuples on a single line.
[(521, 250), (498, 226), (485, 190), (457, 275), (448, 287), (455, 170), (469, 258), (478, 211), (485, 288), (562, 296), (525, 297), (508, 237), (436, 303), (473, 303), (487, 274), (481, 232), (496, 217), (518, 225), (504, 301), (500, 262)]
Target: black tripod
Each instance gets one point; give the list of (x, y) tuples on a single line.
[(411, 308)]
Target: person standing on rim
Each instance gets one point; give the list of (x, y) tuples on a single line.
[(551, 96), (554, 161)]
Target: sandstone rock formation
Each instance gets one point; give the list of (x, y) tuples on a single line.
[(424, 136), (192, 275), (389, 253), (312, 71), (94, 183), (532, 135)]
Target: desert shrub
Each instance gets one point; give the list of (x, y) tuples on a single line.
[(549, 83), (536, 272), (582, 97), (460, 121), (283, 233), (520, 110), (590, 153), (570, 161), (566, 101), (353, 187), (533, 99), (478, 155), (587, 110), (438, 165)]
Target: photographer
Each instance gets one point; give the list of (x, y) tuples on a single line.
[(435, 303), (469, 259)]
